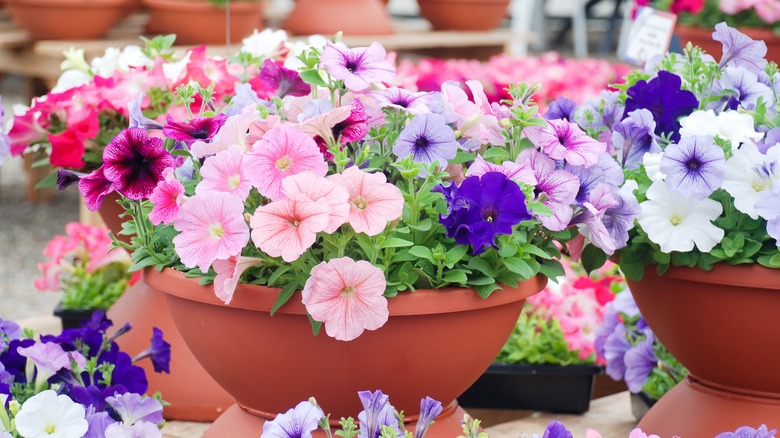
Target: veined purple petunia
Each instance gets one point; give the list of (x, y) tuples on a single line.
[(563, 140), (286, 82), (415, 103), (377, 412), (591, 221), (664, 97), (739, 49), (561, 108), (745, 87), (298, 422), (198, 128), (427, 138), (94, 187), (358, 67), (633, 137), (354, 127), (640, 361), (134, 163), (556, 188), (695, 166), (429, 410)]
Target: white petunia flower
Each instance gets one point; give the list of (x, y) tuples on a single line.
[(749, 173), (141, 429), (107, 64), (699, 123), (174, 71), (737, 128), (47, 415), (71, 79), (264, 44), (677, 223), (652, 163), (134, 57)]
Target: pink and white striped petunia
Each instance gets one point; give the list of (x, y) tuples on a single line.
[(166, 198), (283, 151), (347, 296), (226, 172), (229, 274), (373, 201), (211, 227), (313, 187), (288, 228)]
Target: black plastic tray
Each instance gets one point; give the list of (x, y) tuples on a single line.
[(72, 318)]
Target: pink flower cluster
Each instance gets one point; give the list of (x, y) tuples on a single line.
[(82, 244), (767, 10), (578, 302), (577, 79)]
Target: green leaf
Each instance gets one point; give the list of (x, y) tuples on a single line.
[(315, 325), (519, 266), (481, 281), (496, 154), (593, 258), (313, 77), (422, 252), (394, 242), (462, 157), (455, 254), (287, 292), (424, 225), (482, 266), (455, 276), (535, 250), (49, 181), (485, 290)]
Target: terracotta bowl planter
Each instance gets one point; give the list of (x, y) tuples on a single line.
[(469, 15), (327, 17), (67, 19), (721, 325), (198, 22), (702, 37), (436, 343)]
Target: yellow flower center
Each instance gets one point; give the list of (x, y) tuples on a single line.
[(50, 429), (675, 220), (360, 203), (758, 187), (234, 181), (216, 230), (283, 163), (348, 290)]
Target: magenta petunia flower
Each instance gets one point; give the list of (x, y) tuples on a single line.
[(199, 128), (283, 151), (211, 227), (134, 162), (226, 172), (359, 67), (373, 201), (94, 187), (556, 188), (562, 140), (232, 132), (348, 296), (354, 127), (288, 228), (166, 198), (229, 273), (313, 187), (286, 82)]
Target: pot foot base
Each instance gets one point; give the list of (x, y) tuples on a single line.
[(692, 409), (237, 423)]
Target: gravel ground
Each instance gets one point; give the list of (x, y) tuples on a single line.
[(25, 227)]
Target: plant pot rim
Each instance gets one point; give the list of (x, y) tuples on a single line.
[(546, 369), (711, 29), (61, 4), (746, 275), (420, 302), (58, 310), (201, 6)]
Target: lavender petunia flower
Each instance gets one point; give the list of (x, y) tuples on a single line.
[(133, 408), (429, 410), (633, 137), (98, 423), (482, 208), (619, 218), (607, 327), (562, 140), (768, 207), (561, 108), (695, 166), (746, 88), (359, 67), (94, 188), (427, 139), (555, 188), (437, 104), (772, 138), (590, 221), (415, 103), (137, 117), (556, 429), (666, 101), (615, 348), (246, 96), (640, 361), (749, 432), (377, 412), (134, 163), (601, 112), (199, 128), (739, 49), (9, 331), (286, 82), (159, 352), (141, 429), (589, 178)]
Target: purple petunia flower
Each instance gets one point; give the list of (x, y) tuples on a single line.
[(562, 140), (94, 188), (619, 218), (377, 412), (561, 108), (91, 396), (482, 208), (427, 138), (556, 429), (601, 112), (615, 348), (739, 49), (772, 138), (695, 166), (745, 87), (354, 127), (591, 221), (640, 361), (298, 422), (359, 67), (415, 103), (9, 331), (749, 432), (429, 410), (135, 407), (286, 82), (199, 128), (633, 137), (768, 207), (666, 101), (556, 188), (66, 178), (137, 117), (98, 423), (134, 163), (246, 96), (159, 352), (607, 327)]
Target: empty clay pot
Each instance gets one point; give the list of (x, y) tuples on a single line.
[(199, 22), (327, 17), (469, 15), (67, 19)]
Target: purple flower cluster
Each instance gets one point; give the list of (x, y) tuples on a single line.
[(664, 97)]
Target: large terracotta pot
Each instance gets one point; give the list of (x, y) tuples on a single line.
[(721, 325), (702, 37), (67, 19), (327, 17), (435, 343), (470, 15), (199, 22), (145, 308)]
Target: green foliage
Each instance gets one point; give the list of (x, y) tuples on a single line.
[(96, 290), (538, 340)]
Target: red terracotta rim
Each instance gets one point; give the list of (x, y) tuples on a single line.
[(420, 302), (760, 32), (69, 3), (448, 410), (752, 276), (176, 5), (728, 392)]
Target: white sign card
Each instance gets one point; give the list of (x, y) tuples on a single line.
[(650, 35)]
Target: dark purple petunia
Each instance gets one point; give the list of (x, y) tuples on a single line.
[(134, 163), (427, 138), (90, 396), (633, 137), (198, 128), (159, 352), (14, 362), (286, 82), (429, 410), (739, 49), (640, 361), (556, 429), (66, 178), (749, 432), (482, 208), (354, 127), (94, 188), (666, 101), (561, 108)]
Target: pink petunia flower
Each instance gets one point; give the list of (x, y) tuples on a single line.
[(373, 201), (49, 357), (518, 171), (166, 198), (313, 187), (347, 296), (94, 188), (563, 140), (211, 227), (226, 172), (232, 132), (288, 228), (259, 127), (556, 188), (283, 151), (229, 274), (359, 67)]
